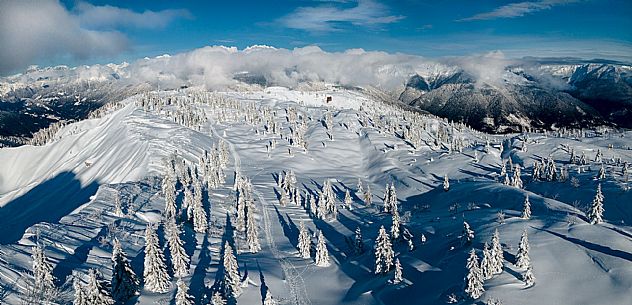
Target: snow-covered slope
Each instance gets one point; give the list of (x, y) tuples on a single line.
[(63, 194)]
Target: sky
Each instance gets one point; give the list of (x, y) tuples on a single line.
[(51, 32)]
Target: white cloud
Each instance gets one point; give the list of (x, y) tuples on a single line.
[(108, 16), (32, 30), (327, 18), (518, 9)]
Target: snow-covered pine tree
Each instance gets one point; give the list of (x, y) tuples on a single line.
[(528, 277), (252, 231), (506, 181), (200, 222), (360, 187), (387, 199), (118, 208), (522, 257), (79, 295), (43, 278), (595, 213), (217, 299), (395, 226), (155, 270), (96, 290), (368, 197), (526, 209), (487, 269), (348, 200), (269, 300), (182, 294), (474, 278), (188, 202), (397, 277), (516, 181), (179, 258), (322, 254), (467, 235), (304, 242), (497, 253), (125, 284), (383, 252), (446, 183), (358, 243), (602, 173), (232, 282)]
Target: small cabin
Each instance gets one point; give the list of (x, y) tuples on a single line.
[(328, 99)]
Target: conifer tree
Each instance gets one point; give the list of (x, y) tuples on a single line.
[(43, 278), (218, 299), (446, 183), (304, 242), (200, 222), (526, 210), (358, 242), (522, 257), (252, 232), (474, 279), (397, 277), (393, 199), (182, 294), (387, 199), (269, 300), (497, 253), (517, 181), (395, 226), (232, 283), (528, 277), (155, 272), (487, 268), (80, 294), (595, 213), (467, 235), (125, 284), (359, 187), (322, 254), (368, 197), (179, 258), (96, 291), (348, 200), (383, 252), (118, 208)]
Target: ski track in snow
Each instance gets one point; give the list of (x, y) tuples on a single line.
[(294, 281)]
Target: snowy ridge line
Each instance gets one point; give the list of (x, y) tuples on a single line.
[(294, 281)]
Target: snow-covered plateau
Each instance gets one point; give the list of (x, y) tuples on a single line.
[(320, 196)]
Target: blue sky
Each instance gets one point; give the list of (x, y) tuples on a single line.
[(125, 30)]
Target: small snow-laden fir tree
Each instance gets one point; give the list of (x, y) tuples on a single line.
[(348, 200), (497, 253), (252, 231), (304, 241), (487, 268), (358, 243), (601, 175), (200, 222), (467, 235), (383, 252), (526, 209), (118, 207), (368, 197), (155, 270), (188, 203), (125, 283), (387, 199), (232, 282), (446, 183), (474, 278), (43, 278), (503, 169), (393, 199), (360, 187), (398, 277), (179, 258), (528, 278), (96, 290), (182, 294), (169, 191), (595, 213), (516, 181), (507, 181), (522, 257), (395, 225), (322, 254), (217, 299), (80, 294), (269, 300)]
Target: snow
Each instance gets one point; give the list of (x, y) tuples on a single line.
[(50, 192)]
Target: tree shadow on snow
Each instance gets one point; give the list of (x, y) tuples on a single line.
[(47, 202)]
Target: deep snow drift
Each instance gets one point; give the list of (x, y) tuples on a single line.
[(63, 195)]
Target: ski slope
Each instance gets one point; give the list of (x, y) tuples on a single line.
[(63, 194)]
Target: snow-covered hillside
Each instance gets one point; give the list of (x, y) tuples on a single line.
[(251, 161)]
